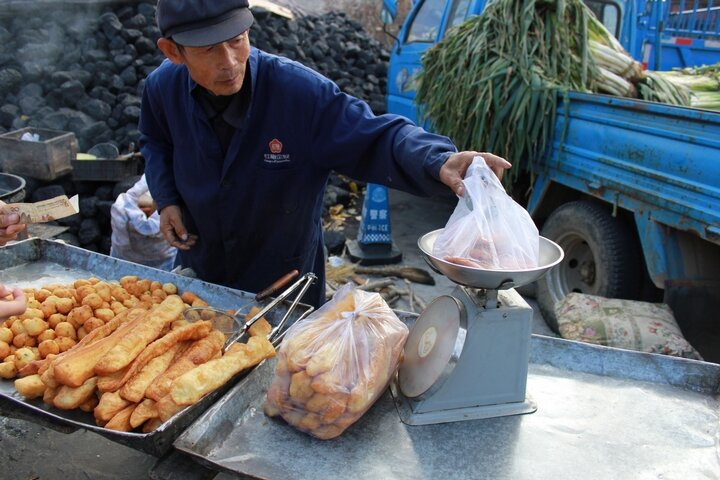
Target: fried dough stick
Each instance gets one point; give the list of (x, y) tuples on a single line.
[(130, 346), (134, 388), (121, 420), (145, 410), (110, 404), (39, 366), (193, 331), (78, 364), (203, 379), (68, 398), (199, 352)]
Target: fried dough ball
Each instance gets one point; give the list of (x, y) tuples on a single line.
[(17, 327), (22, 340), (8, 370), (63, 292), (48, 308), (119, 293), (65, 343), (23, 356), (131, 302), (92, 324), (32, 303), (93, 300), (104, 314), (141, 286), (169, 288), (6, 335), (66, 329), (48, 334), (159, 294), (79, 315), (84, 291), (117, 307), (128, 280), (64, 305), (35, 326), (4, 349), (55, 319), (41, 294), (104, 291), (48, 347), (33, 313), (80, 283)]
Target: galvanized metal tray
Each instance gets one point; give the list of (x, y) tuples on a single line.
[(36, 262), (603, 413)]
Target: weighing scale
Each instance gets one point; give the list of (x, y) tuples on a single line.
[(467, 354)]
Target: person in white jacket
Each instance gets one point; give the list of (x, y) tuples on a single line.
[(136, 233)]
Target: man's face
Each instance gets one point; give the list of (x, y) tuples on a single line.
[(220, 68)]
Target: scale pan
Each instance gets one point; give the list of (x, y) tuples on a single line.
[(550, 255)]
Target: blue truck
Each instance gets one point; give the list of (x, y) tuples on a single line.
[(630, 189)]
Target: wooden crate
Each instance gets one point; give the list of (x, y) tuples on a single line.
[(46, 159)]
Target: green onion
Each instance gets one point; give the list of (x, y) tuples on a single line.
[(492, 84)]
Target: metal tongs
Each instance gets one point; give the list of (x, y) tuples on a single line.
[(222, 318)]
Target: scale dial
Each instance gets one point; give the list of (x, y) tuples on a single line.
[(433, 347)]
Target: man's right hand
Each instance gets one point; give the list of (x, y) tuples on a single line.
[(173, 229)]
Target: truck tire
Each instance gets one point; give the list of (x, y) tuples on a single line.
[(602, 257)]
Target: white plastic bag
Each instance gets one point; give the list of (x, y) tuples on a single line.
[(335, 364), (488, 229), (136, 237)]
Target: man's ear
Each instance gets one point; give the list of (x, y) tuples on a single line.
[(170, 50)]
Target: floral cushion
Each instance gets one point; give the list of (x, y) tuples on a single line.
[(629, 324)]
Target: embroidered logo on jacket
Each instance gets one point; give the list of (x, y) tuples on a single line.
[(276, 155)]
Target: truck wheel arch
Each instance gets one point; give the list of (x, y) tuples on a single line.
[(602, 256)]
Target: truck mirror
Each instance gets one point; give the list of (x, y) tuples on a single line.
[(386, 16)]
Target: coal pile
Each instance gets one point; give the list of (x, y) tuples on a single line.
[(81, 68), (83, 71)]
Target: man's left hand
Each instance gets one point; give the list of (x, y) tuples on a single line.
[(455, 168)]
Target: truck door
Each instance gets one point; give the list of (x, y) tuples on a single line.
[(426, 24)]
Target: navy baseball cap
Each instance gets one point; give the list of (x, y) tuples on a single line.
[(198, 23)]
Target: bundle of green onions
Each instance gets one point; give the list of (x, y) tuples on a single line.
[(702, 82), (492, 84)]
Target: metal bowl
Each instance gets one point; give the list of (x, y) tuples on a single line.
[(550, 255), (12, 188)]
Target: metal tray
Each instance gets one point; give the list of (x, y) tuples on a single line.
[(603, 413), (36, 262), (550, 255)]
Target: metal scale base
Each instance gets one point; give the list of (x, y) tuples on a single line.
[(408, 417), (466, 358)]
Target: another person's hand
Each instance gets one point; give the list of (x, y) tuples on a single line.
[(10, 225), (173, 229), (16, 306), (455, 168)]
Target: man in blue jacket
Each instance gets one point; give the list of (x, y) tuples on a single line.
[(239, 145)]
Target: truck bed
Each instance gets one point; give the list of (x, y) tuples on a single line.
[(660, 161)]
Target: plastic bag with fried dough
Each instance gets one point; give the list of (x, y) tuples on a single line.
[(335, 364)]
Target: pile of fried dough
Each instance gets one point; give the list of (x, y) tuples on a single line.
[(334, 365), (134, 361)]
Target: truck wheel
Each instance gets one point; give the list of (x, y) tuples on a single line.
[(602, 257)]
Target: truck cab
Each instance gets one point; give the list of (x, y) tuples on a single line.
[(663, 35)]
